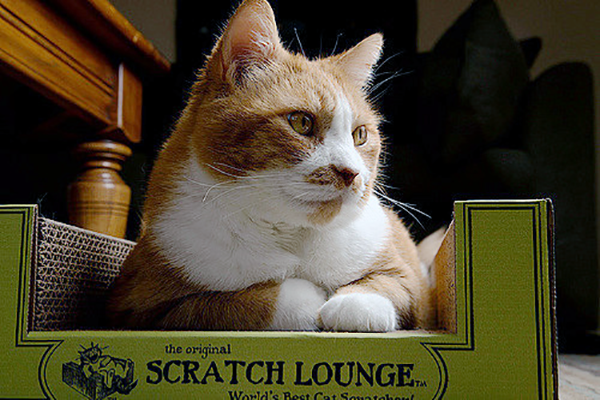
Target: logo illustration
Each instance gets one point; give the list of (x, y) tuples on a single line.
[(96, 375)]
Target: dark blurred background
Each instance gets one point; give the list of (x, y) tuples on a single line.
[(472, 113)]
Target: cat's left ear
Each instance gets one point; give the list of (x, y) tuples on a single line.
[(250, 40), (358, 62)]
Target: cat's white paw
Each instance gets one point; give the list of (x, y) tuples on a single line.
[(358, 312), (297, 306)]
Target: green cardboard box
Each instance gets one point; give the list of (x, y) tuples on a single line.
[(495, 311)]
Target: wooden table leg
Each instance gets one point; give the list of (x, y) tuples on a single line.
[(98, 198)]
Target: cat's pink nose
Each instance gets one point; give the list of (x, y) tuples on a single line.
[(347, 174)]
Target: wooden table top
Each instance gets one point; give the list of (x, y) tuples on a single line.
[(101, 19)]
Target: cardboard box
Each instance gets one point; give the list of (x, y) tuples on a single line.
[(496, 314)]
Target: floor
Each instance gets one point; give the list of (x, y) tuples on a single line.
[(579, 377)]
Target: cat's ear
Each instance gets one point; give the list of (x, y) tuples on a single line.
[(250, 40), (358, 62)]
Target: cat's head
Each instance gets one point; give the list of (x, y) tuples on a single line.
[(301, 132)]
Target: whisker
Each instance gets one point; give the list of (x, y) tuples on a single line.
[(221, 171), (225, 193), (413, 207), (299, 42), (257, 176), (205, 184), (387, 186), (230, 167), (376, 96), (337, 39), (210, 187), (244, 186), (386, 60), (404, 205), (406, 208), (260, 185)]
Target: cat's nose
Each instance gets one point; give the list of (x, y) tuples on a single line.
[(347, 174)]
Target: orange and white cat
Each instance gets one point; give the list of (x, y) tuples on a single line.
[(260, 210)]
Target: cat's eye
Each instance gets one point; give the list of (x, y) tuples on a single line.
[(301, 122), (360, 136)]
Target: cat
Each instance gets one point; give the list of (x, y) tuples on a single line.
[(260, 210)]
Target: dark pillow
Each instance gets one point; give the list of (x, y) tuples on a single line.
[(471, 84)]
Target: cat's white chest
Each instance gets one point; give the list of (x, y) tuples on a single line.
[(222, 249), (337, 256)]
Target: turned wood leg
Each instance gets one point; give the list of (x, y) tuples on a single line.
[(98, 198)]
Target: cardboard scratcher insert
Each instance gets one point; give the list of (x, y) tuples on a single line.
[(73, 270)]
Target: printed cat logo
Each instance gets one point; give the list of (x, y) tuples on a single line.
[(97, 375)]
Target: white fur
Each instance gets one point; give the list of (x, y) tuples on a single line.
[(298, 305), (337, 149), (359, 312), (427, 250), (338, 146), (219, 245), (229, 235), (215, 242), (337, 255)]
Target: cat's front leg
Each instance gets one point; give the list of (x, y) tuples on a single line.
[(375, 303), (297, 306), (290, 305)]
